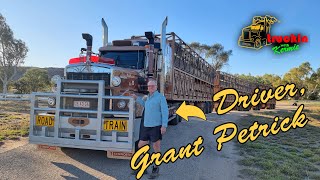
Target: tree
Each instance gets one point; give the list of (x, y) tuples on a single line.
[(216, 53), (301, 77), (201, 49), (12, 54), (21, 86), (33, 80), (251, 79), (273, 79), (314, 85)]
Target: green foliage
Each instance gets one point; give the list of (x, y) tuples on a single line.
[(251, 79), (33, 80), (299, 75), (302, 76), (12, 53), (305, 76), (273, 79), (314, 85), (215, 53), (314, 95), (21, 86), (268, 79)]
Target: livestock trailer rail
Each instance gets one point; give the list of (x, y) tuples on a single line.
[(224, 80)]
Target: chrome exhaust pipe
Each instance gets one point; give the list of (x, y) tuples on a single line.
[(105, 33), (163, 52), (88, 39)]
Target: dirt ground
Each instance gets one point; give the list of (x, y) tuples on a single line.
[(8, 145)]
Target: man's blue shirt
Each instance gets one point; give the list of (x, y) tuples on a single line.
[(155, 110)]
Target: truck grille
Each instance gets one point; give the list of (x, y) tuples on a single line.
[(89, 76)]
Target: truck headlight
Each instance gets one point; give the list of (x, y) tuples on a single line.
[(121, 104), (51, 101), (116, 81)]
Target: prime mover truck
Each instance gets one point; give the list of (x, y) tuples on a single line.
[(91, 107)]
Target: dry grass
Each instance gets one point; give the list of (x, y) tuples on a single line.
[(288, 155), (15, 106), (14, 119)]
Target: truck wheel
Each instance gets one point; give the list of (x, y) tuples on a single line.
[(210, 107), (257, 43), (174, 121), (206, 108), (136, 146)]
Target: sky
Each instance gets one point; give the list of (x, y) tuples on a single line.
[(52, 29)]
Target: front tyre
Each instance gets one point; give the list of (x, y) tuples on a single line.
[(175, 121)]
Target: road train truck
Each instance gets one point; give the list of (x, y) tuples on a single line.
[(92, 107)]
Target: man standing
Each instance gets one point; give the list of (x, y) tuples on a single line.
[(155, 120)]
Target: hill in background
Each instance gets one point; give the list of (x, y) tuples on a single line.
[(51, 71)]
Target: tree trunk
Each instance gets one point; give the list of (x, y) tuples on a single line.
[(309, 94), (6, 80), (4, 89)]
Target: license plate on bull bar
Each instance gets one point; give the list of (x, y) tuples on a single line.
[(44, 120), (115, 125), (81, 104)]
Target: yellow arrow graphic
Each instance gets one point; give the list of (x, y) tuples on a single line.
[(188, 110)]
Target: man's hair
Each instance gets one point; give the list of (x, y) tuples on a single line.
[(153, 80)]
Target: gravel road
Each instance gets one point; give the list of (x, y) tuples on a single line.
[(28, 162)]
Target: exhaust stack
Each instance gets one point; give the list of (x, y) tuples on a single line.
[(105, 33), (163, 52), (150, 54), (88, 39), (163, 35)]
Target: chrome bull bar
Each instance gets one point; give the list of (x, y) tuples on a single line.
[(67, 131)]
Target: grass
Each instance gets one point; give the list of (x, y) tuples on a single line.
[(294, 154), (14, 120), (15, 106)]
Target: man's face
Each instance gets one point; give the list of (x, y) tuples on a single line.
[(152, 87)]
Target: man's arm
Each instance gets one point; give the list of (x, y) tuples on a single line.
[(164, 111), (140, 101)]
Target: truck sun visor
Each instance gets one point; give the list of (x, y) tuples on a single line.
[(83, 59), (95, 59)]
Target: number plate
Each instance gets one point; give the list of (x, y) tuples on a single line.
[(81, 104), (115, 125), (41, 146), (45, 121), (119, 155)]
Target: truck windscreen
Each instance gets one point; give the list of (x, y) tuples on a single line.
[(126, 59)]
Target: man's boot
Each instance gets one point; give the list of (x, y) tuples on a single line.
[(155, 172)]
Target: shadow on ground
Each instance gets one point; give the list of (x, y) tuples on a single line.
[(98, 161), (78, 173)]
